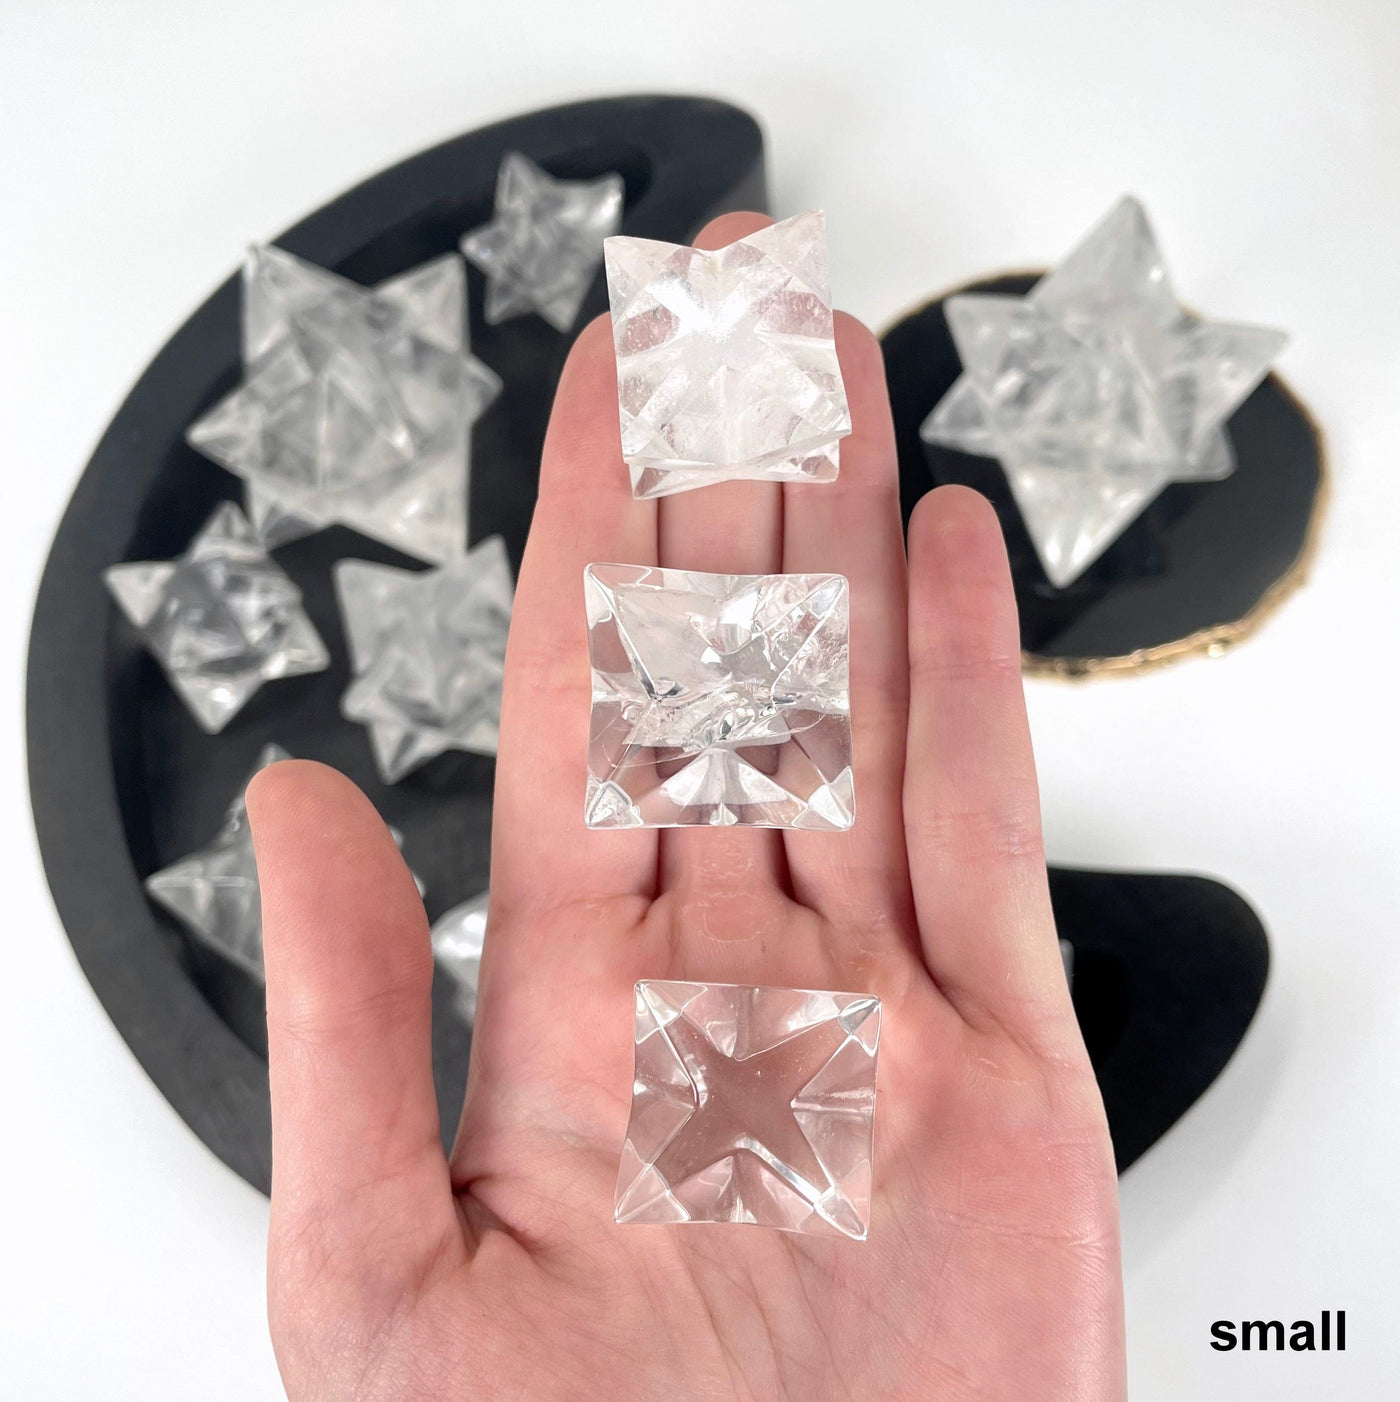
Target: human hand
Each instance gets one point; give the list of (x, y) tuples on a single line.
[(992, 1265)]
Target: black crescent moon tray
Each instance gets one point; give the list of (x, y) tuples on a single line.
[(1203, 566), (1168, 969)]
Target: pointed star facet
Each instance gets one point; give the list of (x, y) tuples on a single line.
[(428, 652), (751, 1105), (542, 248), (356, 405), (221, 620), (1096, 390)]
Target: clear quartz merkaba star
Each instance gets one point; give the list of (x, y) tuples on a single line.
[(214, 892), (718, 700), (222, 619), (428, 653), (1096, 390), (356, 405), (726, 359), (541, 250), (752, 1105)]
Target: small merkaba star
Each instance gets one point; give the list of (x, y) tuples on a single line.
[(356, 405), (222, 619), (1096, 390), (541, 250), (214, 891), (428, 651)]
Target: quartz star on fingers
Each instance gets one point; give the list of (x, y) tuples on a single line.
[(428, 652), (356, 406), (718, 699), (1096, 390), (542, 248), (726, 359), (222, 619)]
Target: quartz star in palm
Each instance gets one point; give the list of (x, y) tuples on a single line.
[(428, 651), (718, 699), (356, 404), (751, 1105), (1096, 390), (542, 248), (726, 359), (222, 619)]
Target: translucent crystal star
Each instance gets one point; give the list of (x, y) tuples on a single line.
[(356, 405), (751, 1105), (458, 936), (214, 892), (726, 360), (544, 242), (718, 699), (1096, 390), (428, 651), (222, 619)]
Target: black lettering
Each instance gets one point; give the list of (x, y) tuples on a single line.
[(1326, 1330), (1264, 1326), (1301, 1340), (1222, 1335), (1341, 1329)]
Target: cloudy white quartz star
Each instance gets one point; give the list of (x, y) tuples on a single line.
[(541, 249), (356, 405), (726, 359), (1096, 390), (222, 619), (428, 652)]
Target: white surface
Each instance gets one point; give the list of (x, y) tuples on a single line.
[(142, 145)]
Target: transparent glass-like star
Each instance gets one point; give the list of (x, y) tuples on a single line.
[(428, 651), (356, 404), (222, 619), (214, 892), (544, 242), (751, 1105), (1096, 390), (458, 937), (726, 360), (718, 699)]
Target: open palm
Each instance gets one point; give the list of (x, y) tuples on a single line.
[(992, 1265)]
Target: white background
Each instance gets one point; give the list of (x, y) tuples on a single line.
[(142, 145)]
